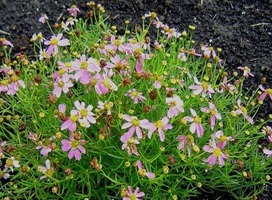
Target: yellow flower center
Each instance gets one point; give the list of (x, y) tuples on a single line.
[(84, 65), (54, 41), (190, 139), (49, 172), (135, 93), (159, 124), (197, 119), (217, 152), (74, 144), (269, 91), (244, 110), (133, 197), (5, 82), (135, 122), (83, 112), (68, 65), (173, 103), (204, 85), (117, 42), (212, 112), (223, 138), (9, 162), (62, 71), (61, 84), (142, 172), (14, 78), (74, 118)]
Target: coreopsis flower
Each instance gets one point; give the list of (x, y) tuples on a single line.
[(46, 146), (212, 110), (62, 84), (135, 95), (105, 107), (47, 170), (222, 139), (105, 85), (186, 142), (43, 18), (54, 42), (160, 126), (3, 174), (196, 125), (85, 114), (74, 146), (135, 125), (176, 106), (202, 87), (133, 195), (242, 110), (216, 154), (129, 143), (142, 171), (246, 71), (43, 54), (1, 149), (6, 42), (267, 152), (73, 10), (266, 92), (227, 86), (37, 37), (11, 162)]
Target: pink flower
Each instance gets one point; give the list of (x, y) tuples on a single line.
[(3, 174), (160, 126), (54, 42), (105, 85), (135, 125), (11, 162), (130, 195), (43, 18), (142, 171), (71, 122), (6, 42), (74, 146), (46, 146), (242, 110), (227, 86), (266, 92), (267, 152), (246, 71), (1, 149), (62, 85), (222, 139), (47, 170), (135, 95), (73, 10), (213, 113), (196, 126), (129, 143), (186, 142), (203, 87), (85, 114), (216, 154), (176, 106)]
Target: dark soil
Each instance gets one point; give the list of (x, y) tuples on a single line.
[(242, 28)]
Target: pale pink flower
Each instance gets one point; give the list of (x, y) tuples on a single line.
[(43, 18), (37, 37), (222, 139), (135, 95), (227, 86), (1, 149), (136, 195), (71, 122), (105, 85), (47, 170), (54, 42), (204, 88), (74, 146), (212, 110), (62, 85), (142, 171), (135, 125), (242, 110), (246, 71), (46, 146), (85, 114), (216, 154), (73, 10), (176, 106), (266, 92), (6, 42), (186, 142), (3, 174), (157, 84), (70, 21), (11, 162), (129, 143), (267, 152), (196, 125), (160, 126)]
